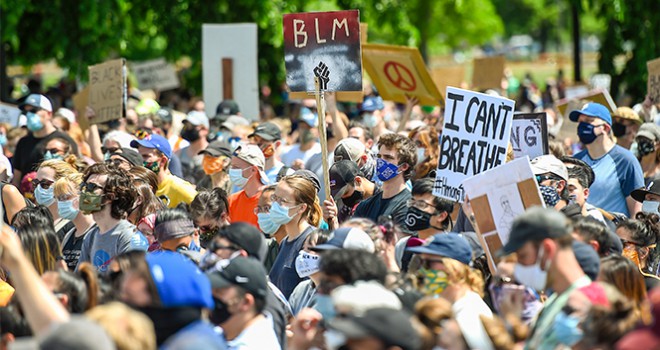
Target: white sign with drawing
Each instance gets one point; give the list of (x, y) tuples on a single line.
[(9, 114), (505, 205)]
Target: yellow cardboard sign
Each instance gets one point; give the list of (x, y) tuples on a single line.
[(80, 102), (399, 71), (599, 96), (448, 76), (488, 72)]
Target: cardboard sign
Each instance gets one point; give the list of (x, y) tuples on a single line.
[(497, 197), (474, 139), (603, 97), (324, 45), (601, 81), (229, 66), (448, 76), (399, 71), (488, 72), (653, 88), (80, 103), (9, 114), (529, 135), (155, 74), (107, 90)]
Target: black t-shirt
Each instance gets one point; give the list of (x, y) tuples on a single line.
[(30, 150), (375, 206), (72, 247)]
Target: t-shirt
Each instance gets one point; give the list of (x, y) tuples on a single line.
[(304, 295), (177, 190), (241, 208), (191, 167), (100, 248), (617, 174), (273, 172), (375, 206), (467, 311), (259, 335), (175, 166), (72, 247), (283, 274), (197, 335), (30, 150), (294, 153)]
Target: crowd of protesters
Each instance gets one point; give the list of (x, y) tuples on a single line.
[(174, 229)]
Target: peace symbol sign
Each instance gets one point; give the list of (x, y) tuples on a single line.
[(400, 76)]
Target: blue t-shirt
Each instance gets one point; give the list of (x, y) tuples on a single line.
[(617, 174), (283, 273)]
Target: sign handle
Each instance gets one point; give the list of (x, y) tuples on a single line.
[(320, 106), (467, 210)]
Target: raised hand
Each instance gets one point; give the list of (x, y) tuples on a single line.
[(323, 73)]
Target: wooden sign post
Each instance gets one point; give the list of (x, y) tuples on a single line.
[(320, 106)]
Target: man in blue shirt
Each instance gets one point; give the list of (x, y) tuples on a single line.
[(617, 170)]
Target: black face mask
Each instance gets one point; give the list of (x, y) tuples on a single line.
[(220, 313), (618, 129), (645, 147), (329, 133), (190, 135), (417, 219), (353, 199), (168, 321)]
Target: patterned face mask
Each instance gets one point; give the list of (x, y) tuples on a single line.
[(550, 195), (435, 281)]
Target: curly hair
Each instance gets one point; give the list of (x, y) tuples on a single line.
[(118, 188), (605, 325), (457, 272), (405, 149), (429, 139), (645, 231), (211, 204)]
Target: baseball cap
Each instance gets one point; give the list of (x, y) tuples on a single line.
[(349, 149), (450, 245), (131, 156), (217, 149), (549, 164), (309, 117), (245, 236), (348, 238), (254, 156), (342, 173), (587, 258), (372, 103), (267, 131), (67, 114), (37, 101), (537, 223), (226, 108), (392, 327), (243, 272), (628, 113), (649, 130), (652, 188), (154, 141), (234, 121), (179, 281), (311, 176), (197, 118), (592, 109)]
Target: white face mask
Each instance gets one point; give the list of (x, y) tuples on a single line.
[(650, 206), (532, 276), (237, 178), (307, 264), (420, 154)]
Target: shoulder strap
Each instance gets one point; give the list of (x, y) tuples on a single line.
[(282, 173)]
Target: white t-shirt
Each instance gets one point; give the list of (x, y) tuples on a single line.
[(467, 311), (258, 336)]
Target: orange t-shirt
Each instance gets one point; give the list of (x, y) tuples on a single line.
[(241, 208)]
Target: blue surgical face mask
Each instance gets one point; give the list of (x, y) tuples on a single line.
[(267, 225), (106, 156), (325, 307), (566, 329), (369, 120), (237, 178), (33, 121), (279, 214), (386, 170), (3, 139), (49, 156), (66, 210), (586, 133), (44, 197)]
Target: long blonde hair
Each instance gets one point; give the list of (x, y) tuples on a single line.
[(67, 184), (459, 273), (305, 192), (62, 168)]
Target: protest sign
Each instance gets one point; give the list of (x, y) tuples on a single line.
[(475, 137), (448, 76), (529, 135), (80, 103), (653, 85), (107, 90), (155, 74), (599, 96), (497, 197), (399, 71), (9, 114), (323, 44), (488, 72), (601, 81), (229, 66)]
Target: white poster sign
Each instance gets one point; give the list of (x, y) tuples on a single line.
[(155, 74), (9, 114)]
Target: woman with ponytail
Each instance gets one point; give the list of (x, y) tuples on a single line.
[(296, 207), (640, 237), (77, 291)]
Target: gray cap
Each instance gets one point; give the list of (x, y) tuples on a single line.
[(78, 333), (549, 164), (535, 224), (649, 130)]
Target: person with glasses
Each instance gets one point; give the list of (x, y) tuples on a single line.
[(30, 149), (640, 237), (617, 170), (147, 205), (57, 148), (247, 173), (108, 195), (48, 172), (125, 159), (209, 212), (268, 137)]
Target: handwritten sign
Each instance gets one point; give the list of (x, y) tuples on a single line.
[(529, 135), (399, 71), (448, 76), (9, 114), (603, 97), (107, 90), (601, 81), (654, 80), (155, 74), (80, 103), (328, 38), (488, 72), (474, 139)]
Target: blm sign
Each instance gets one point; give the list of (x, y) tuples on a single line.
[(474, 139), (323, 44)]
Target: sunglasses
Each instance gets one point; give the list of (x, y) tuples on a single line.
[(207, 229), (115, 162), (110, 149), (45, 184), (53, 150), (89, 187)]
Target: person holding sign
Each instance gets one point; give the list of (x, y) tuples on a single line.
[(617, 171)]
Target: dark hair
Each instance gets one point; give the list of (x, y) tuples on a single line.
[(368, 134), (209, 204), (38, 216), (428, 137), (166, 215), (150, 203), (405, 149), (145, 175), (81, 287), (645, 231), (41, 245), (580, 164), (259, 303), (590, 229), (353, 265), (136, 262), (425, 186), (118, 188), (623, 274), (319, 235)]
